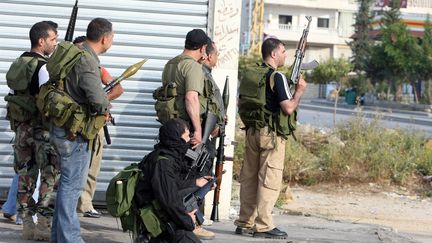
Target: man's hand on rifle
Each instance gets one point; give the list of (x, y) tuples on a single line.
[(108, 117), (216, 132), (196, 139), (200, 182), (192, 215), (301, 85)]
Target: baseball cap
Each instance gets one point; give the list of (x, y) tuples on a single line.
[(196, 38)]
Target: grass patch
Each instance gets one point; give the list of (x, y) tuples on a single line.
[(356, 151)]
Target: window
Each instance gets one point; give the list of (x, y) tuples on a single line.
[(285, 19), (323, 22)]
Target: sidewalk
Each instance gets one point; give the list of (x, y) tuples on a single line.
[(300, 229)]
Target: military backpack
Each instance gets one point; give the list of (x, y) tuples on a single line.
[(252, 103), (170, 102), (120, 203), (56, 105), (21, 105)]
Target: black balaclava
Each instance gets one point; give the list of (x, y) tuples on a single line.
[(170, 139)]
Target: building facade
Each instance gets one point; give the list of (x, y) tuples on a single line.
[(331, 26), (143, 29)]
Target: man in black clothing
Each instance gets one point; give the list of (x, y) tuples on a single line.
[(164, 172)]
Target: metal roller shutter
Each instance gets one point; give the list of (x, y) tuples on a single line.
[(143, 29)]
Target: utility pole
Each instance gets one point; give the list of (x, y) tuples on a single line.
[(256, 35)]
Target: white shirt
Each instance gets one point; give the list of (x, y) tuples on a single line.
[(43, 77)]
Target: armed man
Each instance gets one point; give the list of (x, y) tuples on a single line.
[(267, 128), (164, 185), (73, 138), (85, 205), (184, 93), (215, 102), (32, 149)]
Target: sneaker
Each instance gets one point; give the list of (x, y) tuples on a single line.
[(18, 220), (243, 231), (203, 234), (92, 214), (271, 234), (207, 222)]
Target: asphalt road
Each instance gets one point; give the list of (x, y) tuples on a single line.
[(320, 114)]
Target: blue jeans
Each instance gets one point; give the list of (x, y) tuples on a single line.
[(9, 207), (74, 164)]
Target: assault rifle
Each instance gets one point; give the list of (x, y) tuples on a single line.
[(299, 55), (220, 157), (72, 21), (201, 155), (195, 199)]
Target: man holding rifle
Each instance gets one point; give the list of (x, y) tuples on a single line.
[(183, 77), (164, 183), (85, 205), (261, 173)]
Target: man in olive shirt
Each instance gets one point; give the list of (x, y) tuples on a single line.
[(191, 100), (83, 85), (185, 71)]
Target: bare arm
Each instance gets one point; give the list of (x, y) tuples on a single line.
[(115, 92), (289, 106), (193, 109)]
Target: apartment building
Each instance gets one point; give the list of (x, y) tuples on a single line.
[(331, 26)]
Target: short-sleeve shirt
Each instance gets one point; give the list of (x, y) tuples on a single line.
[(187, 74), (280, 92)]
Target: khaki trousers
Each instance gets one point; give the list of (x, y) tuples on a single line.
[(260, 179), (85, 201)]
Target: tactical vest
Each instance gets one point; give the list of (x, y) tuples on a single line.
[(56, 105), (213, 104), (21, 105), (252, 103), (169, 104)]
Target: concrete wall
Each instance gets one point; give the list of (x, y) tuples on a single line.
[(224, 29)]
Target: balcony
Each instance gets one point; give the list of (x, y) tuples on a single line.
[(289, 33)]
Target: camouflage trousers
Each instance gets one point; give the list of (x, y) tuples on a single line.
[(34, 154)]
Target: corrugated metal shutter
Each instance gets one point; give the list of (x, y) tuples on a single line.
[(143, 29)]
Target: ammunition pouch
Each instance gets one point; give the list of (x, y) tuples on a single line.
[(165, 105), (153, 218), (20, 108), (284, 125), (59, 108)]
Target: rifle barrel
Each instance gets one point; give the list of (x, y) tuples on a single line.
[(72, 21)]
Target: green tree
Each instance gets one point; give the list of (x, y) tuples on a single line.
[(395, 58), (425, 69), (362, 42), (333, 70)]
